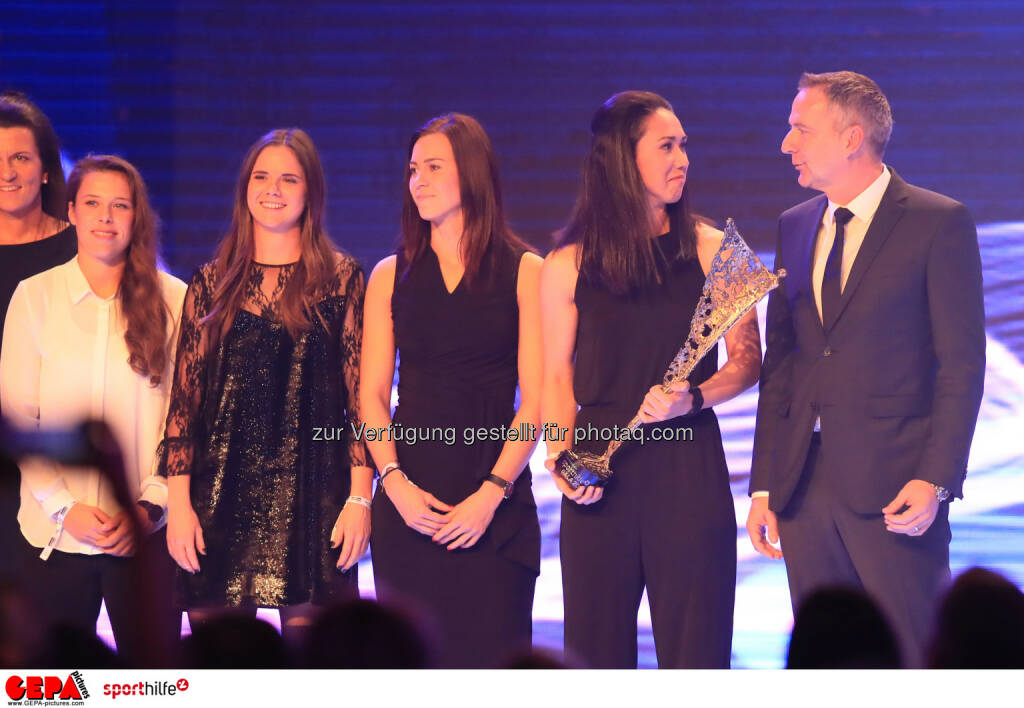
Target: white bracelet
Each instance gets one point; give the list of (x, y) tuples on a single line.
[(361, 501), (57, 532), (388, 467)]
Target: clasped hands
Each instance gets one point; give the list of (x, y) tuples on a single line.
[(917, 496), (459, 526), (111, 534)]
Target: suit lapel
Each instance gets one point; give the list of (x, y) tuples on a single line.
[(890, 209)]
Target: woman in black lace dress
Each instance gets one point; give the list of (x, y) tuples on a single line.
[(262, 478), (618, 295), (456, 531)]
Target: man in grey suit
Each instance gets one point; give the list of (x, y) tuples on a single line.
[(874, 366)]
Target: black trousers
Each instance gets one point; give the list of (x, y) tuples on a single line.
[(824, 543), (68, 588), (667, 523), (10, 533), (479, 601)]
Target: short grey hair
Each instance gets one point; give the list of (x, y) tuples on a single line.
[(859, 100)]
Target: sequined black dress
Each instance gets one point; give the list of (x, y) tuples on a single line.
[(261, 423)]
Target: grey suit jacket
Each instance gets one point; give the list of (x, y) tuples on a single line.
[(897, 380)]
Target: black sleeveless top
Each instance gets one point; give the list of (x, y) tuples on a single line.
[(458, 351), (625, 343), (457, 374)]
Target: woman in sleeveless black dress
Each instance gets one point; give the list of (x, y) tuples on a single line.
[(263, 477), (455, 535), (617, 302)]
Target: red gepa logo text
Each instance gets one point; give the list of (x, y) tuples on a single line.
[(47, 687)]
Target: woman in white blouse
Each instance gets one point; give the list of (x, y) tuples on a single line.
[(93, 338)]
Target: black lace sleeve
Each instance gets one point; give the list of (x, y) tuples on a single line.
[(353, 285), (177, 450)]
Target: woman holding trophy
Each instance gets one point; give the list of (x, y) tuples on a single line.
[(617, 297)]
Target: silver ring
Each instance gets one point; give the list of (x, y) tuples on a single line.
[(914, 530)]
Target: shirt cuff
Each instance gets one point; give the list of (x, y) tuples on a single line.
[(57, 501), (759, 495), (155, 492)]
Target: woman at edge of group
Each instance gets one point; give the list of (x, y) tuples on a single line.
[(269, 351), (456, 531), (33, 209), (617, 297), (102, 323), (34, 236)]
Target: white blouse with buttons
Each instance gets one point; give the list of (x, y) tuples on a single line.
[(64, 359)]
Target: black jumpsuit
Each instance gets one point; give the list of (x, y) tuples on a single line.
[(666, 520)]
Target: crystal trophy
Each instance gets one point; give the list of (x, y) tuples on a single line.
[(734, 285)]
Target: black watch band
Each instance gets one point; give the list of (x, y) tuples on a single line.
[(698, 400), (154, 512), (504, 484)]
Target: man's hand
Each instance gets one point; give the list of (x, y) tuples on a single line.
[(922, 506), (763, 528)]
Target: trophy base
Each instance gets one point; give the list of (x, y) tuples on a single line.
[(582, 469)]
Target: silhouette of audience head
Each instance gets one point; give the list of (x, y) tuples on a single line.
[(76, 648), (363, 634), (980, 624), (540, 659), (234, 642), (841, 628), (20, 637), (24, 643)]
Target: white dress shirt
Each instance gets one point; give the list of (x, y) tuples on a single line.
[(863, 206), (64, 359)]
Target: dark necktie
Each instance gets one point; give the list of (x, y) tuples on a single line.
[(833, 278)]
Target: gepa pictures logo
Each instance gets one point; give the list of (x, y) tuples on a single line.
[(49, 688)]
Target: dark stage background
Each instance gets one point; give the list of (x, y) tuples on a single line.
[(182, 88)]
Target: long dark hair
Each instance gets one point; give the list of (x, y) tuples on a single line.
[(483, 217), (317, 262), (611, 219), (142, 303), (16, 110)]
